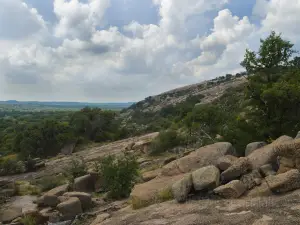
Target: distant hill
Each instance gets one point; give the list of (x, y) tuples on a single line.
[(63, 105)]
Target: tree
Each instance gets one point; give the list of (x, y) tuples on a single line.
[(274, 53)]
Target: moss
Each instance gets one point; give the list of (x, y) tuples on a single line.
[(25, 188), (162, 196)]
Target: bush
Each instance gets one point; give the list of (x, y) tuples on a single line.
[(50, 182), (28, 220), (165, 141), (119, 174), (10, 166), (78, 168)]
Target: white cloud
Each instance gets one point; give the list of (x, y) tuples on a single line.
[(77, 19), (18, 21)]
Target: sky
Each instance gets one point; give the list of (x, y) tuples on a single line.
[(126, 50)]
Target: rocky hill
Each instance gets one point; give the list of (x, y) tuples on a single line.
[(205, 92)]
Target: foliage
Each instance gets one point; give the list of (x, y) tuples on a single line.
[(49, 182), (29, 220), (119, 174), (77, 168), (166, 140), (25, 188), (10, 166)]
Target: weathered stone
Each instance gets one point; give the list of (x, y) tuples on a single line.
[(70, 208), (68, 149), (262, 190), (182, 188), (233, 189), (50, 200), (287, 162), (8, 215), (284, 182), (150, 175), (58, 191), (205, 156), (253, 147), (206, 178), (224, 162), (268, 154), (100, 218), (7, 193), (170, 159), (84, 184), (265, 220), (151, 192), (129, 146), (266, 170), (50, 214), (68, 222), (252, 179), (240, 167), (298, 135), (85, 198)]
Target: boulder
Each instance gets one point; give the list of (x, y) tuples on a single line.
[(240, 167), (129, 146), (205, 156), (266, 170), (68, 149), (50, 214), (150, 175), (233, 189), (50, 200), (298, 135), (84, 184), (8, 215), (206, 178), (100, 218), (169, 159), (268, 154), (252, 179), (182, 188), (253, 147), (262, 190), (284, 182), (287, 162), (70, 208), (85, 198), (224, 162), (58, 191), (153, 191)]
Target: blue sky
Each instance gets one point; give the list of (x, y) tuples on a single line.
[(126, 50)]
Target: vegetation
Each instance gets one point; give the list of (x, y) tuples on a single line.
[(29, 220), (119, 174), (77, 168)]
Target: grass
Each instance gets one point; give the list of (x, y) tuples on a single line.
[(25, 188), (49, 182), (28, 220)]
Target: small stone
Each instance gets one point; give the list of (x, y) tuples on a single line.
[(85, 198), (84, 184), (233, 189), (70, 208)]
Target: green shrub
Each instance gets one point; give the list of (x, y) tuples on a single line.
[(28, 220), (77, 168), (9, 166), (165, 141), (119, 174), (49, 182)]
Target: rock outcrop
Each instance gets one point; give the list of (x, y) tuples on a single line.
[(233, 189), (253, 147), (206, 178)]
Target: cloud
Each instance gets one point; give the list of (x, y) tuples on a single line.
[(82, 56), (77, 19), (18, 21)]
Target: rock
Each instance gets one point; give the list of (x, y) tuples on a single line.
[(8, 215), (68, 149), (50, 214), (240, 167), (70, 208), (206, 178), (298, 135), (39, 165), (266, 170), (150, 175), (143, 160), (224, 162), (253, 147), (153, 191), (262, 190), (68, 222), (252, 179), (7, 193), (58, 191), (85, 198), (265, 220), (268, 154), (84, 184), (50, 200), (233, 189), (284, 182), (205, 156), (129, 146), (170, 159), (142, 146), (182, 188), (100, 218), (287, 162)]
